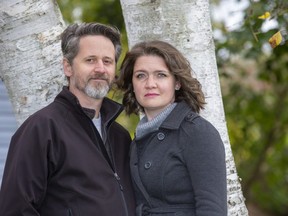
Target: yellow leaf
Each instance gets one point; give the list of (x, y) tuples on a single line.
[(276, 39), (266, 15)]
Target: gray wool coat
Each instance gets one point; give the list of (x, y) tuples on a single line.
[(180, 168)]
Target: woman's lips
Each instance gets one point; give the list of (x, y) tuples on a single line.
[(151, 95)]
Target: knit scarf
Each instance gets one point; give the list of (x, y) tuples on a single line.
[(144, 126)]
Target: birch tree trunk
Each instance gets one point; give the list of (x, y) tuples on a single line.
[(187, 25), (30, 56)]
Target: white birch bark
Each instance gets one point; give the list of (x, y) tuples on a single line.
[(30, 57), (187, 25)]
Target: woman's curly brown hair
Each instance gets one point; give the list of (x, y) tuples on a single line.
[(177, 64)]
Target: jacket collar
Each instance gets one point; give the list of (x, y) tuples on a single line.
[(181, 111), (110, 109)]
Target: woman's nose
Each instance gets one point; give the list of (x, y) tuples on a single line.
[(150, 82)]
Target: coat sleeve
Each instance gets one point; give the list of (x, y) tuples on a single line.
[(25, 174), (205, 159)]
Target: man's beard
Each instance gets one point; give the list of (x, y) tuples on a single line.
[(97, 92), (94, 90)]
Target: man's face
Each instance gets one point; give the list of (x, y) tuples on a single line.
[(93, 69)]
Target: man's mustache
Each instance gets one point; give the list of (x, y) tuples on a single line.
[(100, 76)]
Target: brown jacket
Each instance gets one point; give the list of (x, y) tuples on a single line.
[(57, 164)]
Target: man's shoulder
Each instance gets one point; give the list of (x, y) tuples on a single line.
[(50, 111)]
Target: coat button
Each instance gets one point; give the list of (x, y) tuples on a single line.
[(189, 117), (160, 136), (147, 165)]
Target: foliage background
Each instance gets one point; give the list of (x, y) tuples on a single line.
[(254, 86)]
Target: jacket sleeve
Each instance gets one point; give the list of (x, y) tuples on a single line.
[(25, 174), (205, 158)]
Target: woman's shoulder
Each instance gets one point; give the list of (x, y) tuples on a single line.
[(195, 123)]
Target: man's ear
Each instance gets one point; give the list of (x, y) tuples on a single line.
[(67, 68)]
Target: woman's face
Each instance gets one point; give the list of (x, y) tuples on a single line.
[(153, 84)]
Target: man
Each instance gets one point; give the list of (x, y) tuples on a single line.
[(71, 158)]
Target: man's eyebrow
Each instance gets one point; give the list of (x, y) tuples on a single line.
[(109, 57)]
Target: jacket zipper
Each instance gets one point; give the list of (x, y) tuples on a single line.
[(111, 163), (122, 193), (69, 212)]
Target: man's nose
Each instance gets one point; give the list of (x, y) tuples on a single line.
[(99, 66)]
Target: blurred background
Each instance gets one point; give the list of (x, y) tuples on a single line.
[(254, 84)]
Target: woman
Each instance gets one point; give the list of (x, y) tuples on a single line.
[(177, 157)]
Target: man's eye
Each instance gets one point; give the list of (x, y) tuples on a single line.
[(107, 62), (90, 60)]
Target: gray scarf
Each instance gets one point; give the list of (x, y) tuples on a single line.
[(144, 126)]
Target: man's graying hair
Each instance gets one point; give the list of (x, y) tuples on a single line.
[(71, 36)]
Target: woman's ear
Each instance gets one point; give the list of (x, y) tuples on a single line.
[(177, 85), (67, 68)]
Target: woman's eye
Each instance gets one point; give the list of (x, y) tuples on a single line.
[(140, 76), (161, 75)]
